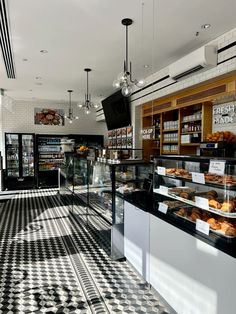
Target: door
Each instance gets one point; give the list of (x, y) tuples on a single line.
[(27, 142), (12, 155)]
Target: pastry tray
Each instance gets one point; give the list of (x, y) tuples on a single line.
[(218, 232), (189, 178), (192, 203)]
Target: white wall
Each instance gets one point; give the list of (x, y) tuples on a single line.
[(19, 117)]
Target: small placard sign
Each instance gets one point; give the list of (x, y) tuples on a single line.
[(164, 189), (162, 207), (201, 202), (198, 177), (161, 171), (217, 167), (202, 226)]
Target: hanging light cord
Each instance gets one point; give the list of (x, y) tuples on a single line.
[(87, 85), (126, 62)]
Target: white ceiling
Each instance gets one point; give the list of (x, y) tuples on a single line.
[(88, 33)]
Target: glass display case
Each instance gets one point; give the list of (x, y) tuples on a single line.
[(198, 195), (109, 185), (20, 168), (103, 188)]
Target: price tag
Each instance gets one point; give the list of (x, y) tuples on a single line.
[(161, 171), (198, 177), (202, 226), (217, 167), (201, 202), (162, 207), (164, 189)]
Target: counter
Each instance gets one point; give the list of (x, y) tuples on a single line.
[(192, 276)]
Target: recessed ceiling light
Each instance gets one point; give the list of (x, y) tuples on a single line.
[(38, 83), (146, 66), (43, 51), (38, 77), (206, 26), (25, 59), (30, 90)]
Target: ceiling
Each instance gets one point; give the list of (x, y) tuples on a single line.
[(81, 33)]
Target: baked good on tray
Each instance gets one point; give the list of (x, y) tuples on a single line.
[(214, 224), (230, 231), (214, 204), (228, 206)]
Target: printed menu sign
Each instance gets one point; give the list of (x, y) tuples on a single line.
[(198, 177), (162, 207), (161, 171), (202, 226), (217, 167), (201, 202)]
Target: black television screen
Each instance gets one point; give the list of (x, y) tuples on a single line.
[(117, 111)]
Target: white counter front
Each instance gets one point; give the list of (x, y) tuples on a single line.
[(192, 276)]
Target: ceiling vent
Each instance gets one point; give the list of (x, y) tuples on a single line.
[(202, 58), (5, 41)]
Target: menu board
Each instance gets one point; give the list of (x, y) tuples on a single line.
[(121, 138)]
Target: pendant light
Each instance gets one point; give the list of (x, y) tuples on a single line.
[(87, 105), (124, 79), (70, 115)]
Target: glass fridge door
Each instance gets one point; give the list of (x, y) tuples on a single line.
[(12, 155), (27, 155)]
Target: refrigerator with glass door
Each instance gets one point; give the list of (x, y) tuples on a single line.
[(20, 161)]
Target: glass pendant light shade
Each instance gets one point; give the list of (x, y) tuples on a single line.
[(87, 104), (116, 84), (126, 91), (140, 83), (70, 115), (124, 79)]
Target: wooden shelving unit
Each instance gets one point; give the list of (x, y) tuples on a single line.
[(185, 103), (181, 130)]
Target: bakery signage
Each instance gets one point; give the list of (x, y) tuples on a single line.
[(49, 116), (147, 133), (202, 226), (224, 114), (217, 167), (162, 207)]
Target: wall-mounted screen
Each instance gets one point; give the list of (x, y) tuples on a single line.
[(117, 111)]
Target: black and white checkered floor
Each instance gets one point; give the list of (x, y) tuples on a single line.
[(52, 263)]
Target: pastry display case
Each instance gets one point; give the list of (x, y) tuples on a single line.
[(198, 195), (109, 184)]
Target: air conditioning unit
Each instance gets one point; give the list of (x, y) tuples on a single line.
[(202, 58)]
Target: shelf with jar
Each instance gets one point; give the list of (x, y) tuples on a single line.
[(185, 127), (198, 194)]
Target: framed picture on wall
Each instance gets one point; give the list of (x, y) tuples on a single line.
[(49, 116)]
